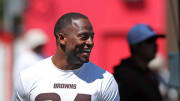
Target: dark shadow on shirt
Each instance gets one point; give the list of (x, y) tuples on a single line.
[(90, 73)]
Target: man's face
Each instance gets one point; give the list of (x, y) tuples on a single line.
[(79, 41), (148, 49)]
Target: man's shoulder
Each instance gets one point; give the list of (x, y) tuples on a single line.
[(34, 73), (126, 69), (125, 64), (94, 67), (97, 70)]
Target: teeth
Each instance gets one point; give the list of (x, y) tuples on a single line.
[(87, 50)]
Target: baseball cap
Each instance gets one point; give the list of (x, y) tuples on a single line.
[(141, 32)]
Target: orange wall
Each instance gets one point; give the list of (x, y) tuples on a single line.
[(111, 20)]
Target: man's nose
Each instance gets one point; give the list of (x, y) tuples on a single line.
[(90, 42)]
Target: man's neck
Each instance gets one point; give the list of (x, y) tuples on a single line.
[(60, 61)]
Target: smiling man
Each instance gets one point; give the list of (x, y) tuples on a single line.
[(68, 75)]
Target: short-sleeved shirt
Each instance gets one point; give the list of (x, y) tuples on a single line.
[(44, 81)]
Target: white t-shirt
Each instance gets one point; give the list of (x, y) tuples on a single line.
[(45, 82)]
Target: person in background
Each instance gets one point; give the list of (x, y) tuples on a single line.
[(136, 81), (68, 75), (28, 51)]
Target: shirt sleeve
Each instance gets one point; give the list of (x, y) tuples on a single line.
[(18, 90), (110, 91)]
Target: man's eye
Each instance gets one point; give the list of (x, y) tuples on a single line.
[(84, 37)]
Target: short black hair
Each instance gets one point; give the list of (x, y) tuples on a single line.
[(65, 20)]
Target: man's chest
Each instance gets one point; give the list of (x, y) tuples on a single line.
[(64, 90)]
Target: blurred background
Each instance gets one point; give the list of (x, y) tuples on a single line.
[(111, 20)]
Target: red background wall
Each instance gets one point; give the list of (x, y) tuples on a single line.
[(111, 20)]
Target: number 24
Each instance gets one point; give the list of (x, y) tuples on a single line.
[(56, 97)]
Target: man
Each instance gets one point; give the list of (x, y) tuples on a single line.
[(68, 75), (136, 82)]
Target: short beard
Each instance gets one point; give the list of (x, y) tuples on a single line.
[(73, 59)]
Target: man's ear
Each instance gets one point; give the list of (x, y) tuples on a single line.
[(61, 38)]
